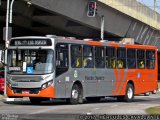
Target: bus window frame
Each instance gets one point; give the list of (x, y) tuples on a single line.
[(134, 58), (150, 59), (88, 56), (140, 60), (112, 58), (102, 56), (121, 60), (81, 56), (56, 67)]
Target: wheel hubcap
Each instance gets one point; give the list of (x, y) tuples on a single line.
[(74, 94), (130, 93)]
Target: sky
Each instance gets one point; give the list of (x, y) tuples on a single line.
[(150, 3)]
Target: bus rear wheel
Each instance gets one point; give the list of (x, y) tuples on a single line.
[(76, 95), (154, 91), (147, 94), (129, 93)]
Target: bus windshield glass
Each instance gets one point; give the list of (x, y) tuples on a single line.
[(33, 61)]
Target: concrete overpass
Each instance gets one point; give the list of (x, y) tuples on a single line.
[(123, 18)]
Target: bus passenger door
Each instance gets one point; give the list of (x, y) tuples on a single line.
[(61, 69)]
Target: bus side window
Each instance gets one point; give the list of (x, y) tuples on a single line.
[(85, 62), (61, 58), (141, 58), (99, 57), (131, 58), (113, 63), (110, 57), (78, 62), (76, 56), (121, 58), (150, 59), (88, 57), (119, 64), (141, 64), (107, 63)]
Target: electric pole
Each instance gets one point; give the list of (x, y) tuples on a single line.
[(155, 13)]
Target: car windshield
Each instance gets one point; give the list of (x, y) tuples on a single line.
[(30, 61)]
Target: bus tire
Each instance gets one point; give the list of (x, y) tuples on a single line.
[(35, 100), (154, 91), (76, 95), (129, 95)]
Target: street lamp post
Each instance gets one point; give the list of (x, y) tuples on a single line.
[(102, 27), (6, 45), (8, 22), (7, 19), (155, 14), (154, 5)]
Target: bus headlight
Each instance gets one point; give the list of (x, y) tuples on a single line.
[(47, 84), (44, 86), (50, 82)]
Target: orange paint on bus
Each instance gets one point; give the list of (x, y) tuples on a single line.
[(94, 43), (115, 85), (146, 81), (47, 93)]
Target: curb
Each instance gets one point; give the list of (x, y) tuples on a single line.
[(8, 99), (14, 99)]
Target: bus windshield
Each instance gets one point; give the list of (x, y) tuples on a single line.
[(30, 61)]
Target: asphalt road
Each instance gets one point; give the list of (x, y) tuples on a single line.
[(60, 110)]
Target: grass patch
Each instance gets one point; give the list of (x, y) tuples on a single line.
[(153, 110)]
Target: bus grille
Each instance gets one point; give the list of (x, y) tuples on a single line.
[(31, 90)]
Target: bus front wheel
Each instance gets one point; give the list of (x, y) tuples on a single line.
[(76, 95)]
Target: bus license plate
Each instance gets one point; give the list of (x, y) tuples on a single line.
[(25, 91)]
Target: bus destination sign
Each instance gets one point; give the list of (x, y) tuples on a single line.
[(31, 42)]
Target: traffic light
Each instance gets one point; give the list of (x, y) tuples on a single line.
[(92, 9)]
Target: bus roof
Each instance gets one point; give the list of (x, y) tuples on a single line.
[(88, 41)]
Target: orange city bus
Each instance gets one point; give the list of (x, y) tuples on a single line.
[(48, 67)]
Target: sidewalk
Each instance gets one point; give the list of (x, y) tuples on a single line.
[(1, 97), (6, 99)]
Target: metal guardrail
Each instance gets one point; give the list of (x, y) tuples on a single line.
[(136, 10)]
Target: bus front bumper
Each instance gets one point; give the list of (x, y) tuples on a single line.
[(48, 92)]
